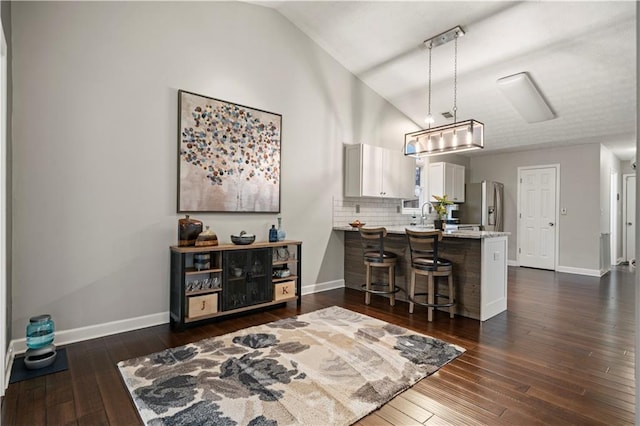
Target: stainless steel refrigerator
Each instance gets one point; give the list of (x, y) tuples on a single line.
[(484, 205)]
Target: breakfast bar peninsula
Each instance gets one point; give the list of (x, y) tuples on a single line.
[(479, 267)]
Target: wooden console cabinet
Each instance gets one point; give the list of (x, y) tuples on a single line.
[(210, 282)]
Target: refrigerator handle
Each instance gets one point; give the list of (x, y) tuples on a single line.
[(498, 202)]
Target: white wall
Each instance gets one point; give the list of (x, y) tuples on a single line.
[(5, 14), (579, 230), (610, 164), (626, 167), (95, 146)]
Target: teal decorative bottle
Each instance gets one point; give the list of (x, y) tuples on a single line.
[(281, 234), (40, 331), (273, 234)]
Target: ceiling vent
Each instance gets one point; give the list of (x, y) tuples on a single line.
[(447, 115)]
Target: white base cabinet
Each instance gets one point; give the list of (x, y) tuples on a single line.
[(493, 288), (372, 171)]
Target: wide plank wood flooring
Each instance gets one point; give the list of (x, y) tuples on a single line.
[(563, 353)]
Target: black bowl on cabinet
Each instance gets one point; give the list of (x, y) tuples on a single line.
[(243, 238)]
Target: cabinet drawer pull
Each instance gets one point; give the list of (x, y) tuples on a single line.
[(203, 305)]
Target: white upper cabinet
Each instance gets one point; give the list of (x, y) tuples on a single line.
[(398, 175), (446, 178), (372, 171)]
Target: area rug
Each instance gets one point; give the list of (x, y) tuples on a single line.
[(328, 367)]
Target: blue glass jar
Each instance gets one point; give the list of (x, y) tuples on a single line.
[(273, 234), (40, 331)]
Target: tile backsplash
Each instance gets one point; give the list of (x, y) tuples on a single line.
[(374, 212)]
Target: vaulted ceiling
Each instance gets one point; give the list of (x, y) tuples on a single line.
[(582, 56)]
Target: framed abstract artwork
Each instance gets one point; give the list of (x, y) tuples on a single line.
[(228, 156)]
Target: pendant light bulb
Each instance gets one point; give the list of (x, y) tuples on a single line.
[(429, 119)]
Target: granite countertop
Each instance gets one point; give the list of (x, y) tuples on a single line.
[(400, 229)]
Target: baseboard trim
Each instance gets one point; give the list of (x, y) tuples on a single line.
[(512, 262), (328, 285), (8, 365), (580, 271), (65, 337)]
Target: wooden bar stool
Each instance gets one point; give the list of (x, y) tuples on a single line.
[(425, 261), (375, 256)]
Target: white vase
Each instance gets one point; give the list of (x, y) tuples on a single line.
[(281, 234)]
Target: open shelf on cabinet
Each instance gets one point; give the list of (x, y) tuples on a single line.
[(284, 262), (194, 271), (205, 291), (289, 278)]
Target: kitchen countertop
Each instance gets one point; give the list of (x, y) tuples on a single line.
[(400, 229)]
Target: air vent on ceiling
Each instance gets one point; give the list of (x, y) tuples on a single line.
[(447, 115)]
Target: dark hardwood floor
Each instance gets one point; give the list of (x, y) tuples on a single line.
[(563, 353)]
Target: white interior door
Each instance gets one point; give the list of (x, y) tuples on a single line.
[(613, 216), (537, 217), (629, 217)]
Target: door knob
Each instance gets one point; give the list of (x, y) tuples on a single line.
[(629, 223), (551, 224)]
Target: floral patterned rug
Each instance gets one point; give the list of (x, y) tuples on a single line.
[(328, 367)]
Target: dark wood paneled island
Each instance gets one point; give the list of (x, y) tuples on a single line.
[(479, 267)]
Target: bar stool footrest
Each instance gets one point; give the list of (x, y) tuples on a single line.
[(380, 285), (431, 305)]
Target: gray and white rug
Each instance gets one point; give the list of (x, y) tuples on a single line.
[(328, 367)]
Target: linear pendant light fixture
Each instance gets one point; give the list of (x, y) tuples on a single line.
[(456, 137)]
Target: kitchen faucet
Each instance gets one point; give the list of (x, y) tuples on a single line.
[(426, 203)]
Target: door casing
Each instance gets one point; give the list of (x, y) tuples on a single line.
[(626, 219)]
